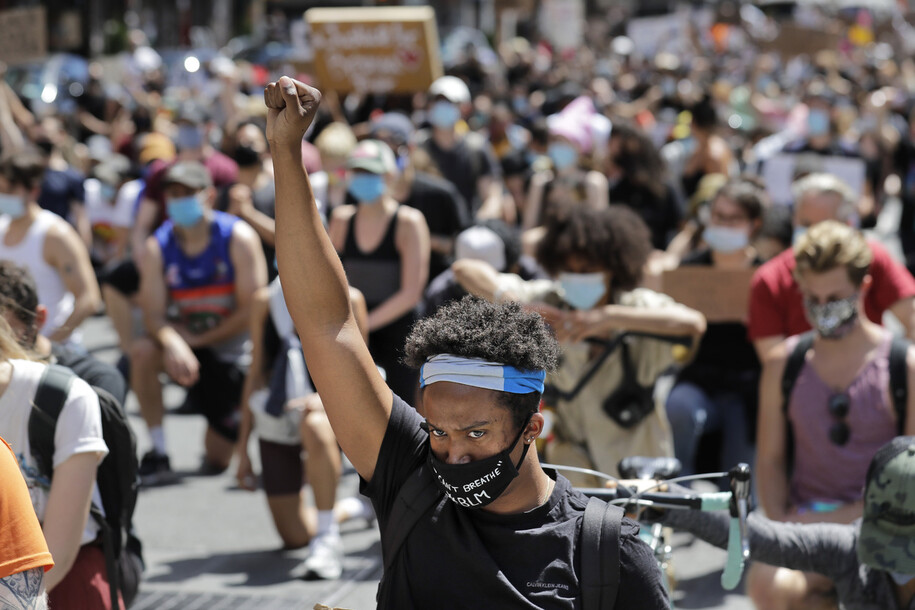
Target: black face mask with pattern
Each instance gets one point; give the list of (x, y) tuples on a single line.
[(835, 319), (478, 483)]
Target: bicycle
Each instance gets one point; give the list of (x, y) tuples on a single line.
[(735, 501)]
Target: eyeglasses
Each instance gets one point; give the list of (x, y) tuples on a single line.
[(839, 432)]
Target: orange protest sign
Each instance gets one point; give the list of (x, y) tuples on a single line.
[(721, 295), (375, 49)]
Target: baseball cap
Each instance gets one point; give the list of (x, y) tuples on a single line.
[(188, 173), (480, 243), (451, 88), (373, 156), (155, 146), (112, 170), (887, 537), (398, 127)]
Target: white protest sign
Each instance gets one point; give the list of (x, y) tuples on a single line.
[(779, 172), (651, 35), (562, 22)]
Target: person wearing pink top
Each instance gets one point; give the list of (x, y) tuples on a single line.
[(813, 452)]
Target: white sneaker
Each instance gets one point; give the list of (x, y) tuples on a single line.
[(325, 558)]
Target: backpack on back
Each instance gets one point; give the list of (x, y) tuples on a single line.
[(117, 476), (899, 388)]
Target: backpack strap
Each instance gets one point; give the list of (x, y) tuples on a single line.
[(600, 555), (50, 397), (793, 366), (416, 496), (899, 380)]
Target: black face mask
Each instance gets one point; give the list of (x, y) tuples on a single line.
[(246, 156), (46, 146), (478, 483)]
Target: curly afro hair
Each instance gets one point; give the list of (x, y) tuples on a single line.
[(615, 239), (503, 333)]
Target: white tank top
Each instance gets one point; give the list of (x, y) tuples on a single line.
[(29, 253)]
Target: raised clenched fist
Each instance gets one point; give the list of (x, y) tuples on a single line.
[(292, 106)]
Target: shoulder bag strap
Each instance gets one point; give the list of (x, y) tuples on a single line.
[(50, 397), (899, 380)]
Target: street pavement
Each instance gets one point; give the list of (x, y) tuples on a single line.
[(211, 546)]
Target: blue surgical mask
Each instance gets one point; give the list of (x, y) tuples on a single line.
[(901, 579), (366, 188), (583, 290), (107, 192), (799, 232), (818, 122), (725, 239), (444, 115), (185, 211), (12, 205), (189, 137), (562, 155)]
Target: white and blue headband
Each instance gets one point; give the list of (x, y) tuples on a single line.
[(480, 373)]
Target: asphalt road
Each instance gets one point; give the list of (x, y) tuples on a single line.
[(209, 545)]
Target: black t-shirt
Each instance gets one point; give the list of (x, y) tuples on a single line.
[(661, 214), (725, 360), (470, 159), (444, 209), (463, 558), (59, 189)]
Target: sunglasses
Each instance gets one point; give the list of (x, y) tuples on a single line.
[(839, 432)]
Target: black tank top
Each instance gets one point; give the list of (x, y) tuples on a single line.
[(377, 273)]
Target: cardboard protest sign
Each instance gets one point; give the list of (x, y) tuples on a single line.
[(375, 49), (793, 40), (721, 295), (779, 172), (23, 34)]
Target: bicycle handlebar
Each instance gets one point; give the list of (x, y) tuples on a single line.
[(735, 502)]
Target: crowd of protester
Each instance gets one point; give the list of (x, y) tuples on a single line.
[(568, 182)]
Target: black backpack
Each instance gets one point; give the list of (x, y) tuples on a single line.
[(600, 535), (117, 476), (899, 387)]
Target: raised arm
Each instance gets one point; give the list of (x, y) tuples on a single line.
[(356, 399)]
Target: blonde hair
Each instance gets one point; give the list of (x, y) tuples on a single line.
[(9, 345), (335, 141), (831, 244)]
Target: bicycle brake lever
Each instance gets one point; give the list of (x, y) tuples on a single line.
[(739, 481)]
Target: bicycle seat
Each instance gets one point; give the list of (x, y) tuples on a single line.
[(640, 467)]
